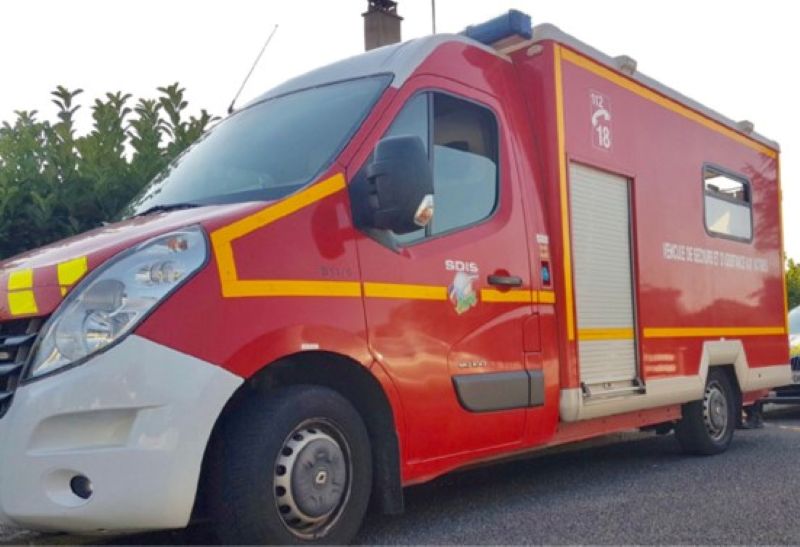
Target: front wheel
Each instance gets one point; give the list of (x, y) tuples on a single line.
[(707, 425), (292, 468)]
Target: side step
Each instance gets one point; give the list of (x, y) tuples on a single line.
[(612, 389)]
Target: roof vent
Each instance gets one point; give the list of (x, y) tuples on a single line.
[(746, 126), (625, 64)]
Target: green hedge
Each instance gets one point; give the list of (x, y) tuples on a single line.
[(55, 183), (793, 283)]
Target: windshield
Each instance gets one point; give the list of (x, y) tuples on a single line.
[(265, 151), (794, 321)]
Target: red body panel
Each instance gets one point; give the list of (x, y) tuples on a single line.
[(663, 153), (245, 334), (668, 209), (415, 345)]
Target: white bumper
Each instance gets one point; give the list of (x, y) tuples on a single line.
[(135, 420)]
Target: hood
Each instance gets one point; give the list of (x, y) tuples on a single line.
[(32, 284)]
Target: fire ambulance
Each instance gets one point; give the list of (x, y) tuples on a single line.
[(435, 254)]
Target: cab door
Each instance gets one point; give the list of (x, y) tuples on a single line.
[(446, 306)]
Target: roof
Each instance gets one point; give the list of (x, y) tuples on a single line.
[(402, 59), (546, 32), (398, 59)]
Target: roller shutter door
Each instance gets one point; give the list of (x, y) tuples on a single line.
[(601, 243)]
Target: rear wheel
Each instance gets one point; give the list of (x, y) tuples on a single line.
[(294, 468), (707, 425)]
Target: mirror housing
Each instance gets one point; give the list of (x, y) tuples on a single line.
[(400, 185)]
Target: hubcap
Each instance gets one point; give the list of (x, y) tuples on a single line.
[(715, 411), (312, 479)]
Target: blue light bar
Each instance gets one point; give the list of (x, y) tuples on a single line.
[(512, 23)]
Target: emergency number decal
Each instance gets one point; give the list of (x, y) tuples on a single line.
[(601, 121)]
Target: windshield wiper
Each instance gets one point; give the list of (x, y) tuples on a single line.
[(167, 207)]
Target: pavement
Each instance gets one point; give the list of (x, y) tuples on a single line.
[(630, 489)]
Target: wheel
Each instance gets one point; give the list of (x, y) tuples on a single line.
[(291, 468), (707, 425)]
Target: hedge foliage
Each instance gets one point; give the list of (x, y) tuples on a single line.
[(55, 183), (793, 283)]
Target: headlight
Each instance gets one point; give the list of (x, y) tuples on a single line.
[(116, 297)]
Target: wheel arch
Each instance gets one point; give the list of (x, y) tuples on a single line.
[(353, 381), (732, 354), (729, 356)]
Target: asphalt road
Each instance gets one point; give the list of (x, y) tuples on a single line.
[(640, 490)]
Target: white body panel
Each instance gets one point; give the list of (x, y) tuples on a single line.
[(601, 229), (678, 390), (135, 420)]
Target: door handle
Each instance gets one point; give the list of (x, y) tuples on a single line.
[(505, 280)]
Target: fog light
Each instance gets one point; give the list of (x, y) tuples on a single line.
[(81, 486)]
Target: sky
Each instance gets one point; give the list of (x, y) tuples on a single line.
[(737, 57)]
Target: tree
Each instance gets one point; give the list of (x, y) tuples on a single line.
[(55, 183), (793, 283)]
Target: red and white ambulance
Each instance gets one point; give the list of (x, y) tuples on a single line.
[(434, 254)]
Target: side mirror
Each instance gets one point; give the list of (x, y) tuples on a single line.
[(400, 185)]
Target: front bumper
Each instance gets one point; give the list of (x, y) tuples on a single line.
[(135, 420)]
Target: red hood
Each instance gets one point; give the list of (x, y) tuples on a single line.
[(35, 282)]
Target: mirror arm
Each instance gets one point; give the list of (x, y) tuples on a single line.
[(385, 237)]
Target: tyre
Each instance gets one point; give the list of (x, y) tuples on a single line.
[(707, 425), (291, 468)]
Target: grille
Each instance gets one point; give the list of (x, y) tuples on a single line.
[(796, 363), (16, 339)]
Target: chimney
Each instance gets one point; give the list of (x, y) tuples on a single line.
[(381, 24)]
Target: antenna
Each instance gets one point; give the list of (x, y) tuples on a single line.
[(258, 58), (433, 15)]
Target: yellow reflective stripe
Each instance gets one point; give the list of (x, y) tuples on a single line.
[(21, 299), (519, 295), (222, 239), (401, 290), (233, 287), (20, 279), (712, 332), (70, 272), (678, 332), (22, 303), (605, 334), (783, 249), (287, 287), (290, 287), (495, 295), (562, 178), (546, 297), (669, 104)]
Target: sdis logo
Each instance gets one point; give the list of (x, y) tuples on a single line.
[(460, 266)]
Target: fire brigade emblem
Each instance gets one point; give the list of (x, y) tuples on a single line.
[(462, 293)]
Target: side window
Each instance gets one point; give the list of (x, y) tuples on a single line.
[(462, 142), (464, 163), (728, 205)]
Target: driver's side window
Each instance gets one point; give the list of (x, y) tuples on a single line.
[(464, 159)]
